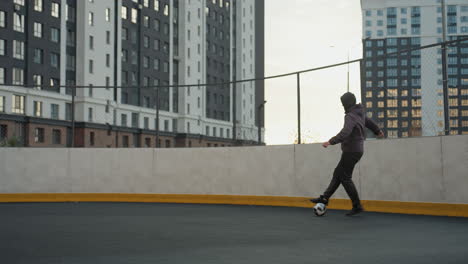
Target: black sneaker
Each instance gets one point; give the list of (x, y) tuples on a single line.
[(355, 211), (320, 199)]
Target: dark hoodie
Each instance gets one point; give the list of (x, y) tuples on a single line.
[(353, 134)]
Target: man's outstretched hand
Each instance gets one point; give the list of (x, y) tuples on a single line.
[(326, 144), (381, 134)]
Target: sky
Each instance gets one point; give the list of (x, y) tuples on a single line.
[(304, 34)]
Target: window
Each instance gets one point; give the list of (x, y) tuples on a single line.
[(123, 120), (135, 120), (18, 76), (37, 109), (54, 60), (134, 57), (38, 5), (156, 44), (71, 62), (18, 49), (174, 125), (125, 141), (124, 12), (91, 138), (2, 47), (91, 42), (18, 22), (39, 135), (156, 5), (147, 142), (134, 16), (166, 10), (56, 137), (91, 66), (90, 114), (108, 37), (2, 19), (146, 41), (37, 80), (37, 30), (107, 60), (18, 104), (2, 75), (54, 35), (55, 11), (108, 14), (71, 38), (91, 19), (54, 111), (68, 111), (38, 56), (156, 64)]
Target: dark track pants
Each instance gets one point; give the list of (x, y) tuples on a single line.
[(343, 175)]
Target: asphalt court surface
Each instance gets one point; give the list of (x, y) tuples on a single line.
[(181, 233)]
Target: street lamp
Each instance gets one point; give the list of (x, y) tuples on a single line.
[(262, 105), (347, 84), (348, 52)]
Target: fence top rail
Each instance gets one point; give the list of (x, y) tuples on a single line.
[(442, 44)]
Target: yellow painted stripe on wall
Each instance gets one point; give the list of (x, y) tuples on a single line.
[(437, 209)]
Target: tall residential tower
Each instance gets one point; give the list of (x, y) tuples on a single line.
[(116, 52), (405, 92)]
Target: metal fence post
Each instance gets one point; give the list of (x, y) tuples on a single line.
[(299, 108), (157, 118), (444, 71), (73, 117)]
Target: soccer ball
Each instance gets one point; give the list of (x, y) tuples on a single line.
[(320, 209)]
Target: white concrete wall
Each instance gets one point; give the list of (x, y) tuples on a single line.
[(432, 169)]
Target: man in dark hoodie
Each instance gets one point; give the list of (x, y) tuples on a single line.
[(352, 138)]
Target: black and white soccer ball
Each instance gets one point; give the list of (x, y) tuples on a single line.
[(320, 209)]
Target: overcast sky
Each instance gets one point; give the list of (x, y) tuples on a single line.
[(303, 34)]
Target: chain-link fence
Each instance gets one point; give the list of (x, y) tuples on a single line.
[(409, 86)]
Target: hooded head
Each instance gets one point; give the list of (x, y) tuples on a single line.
[(348, 100)]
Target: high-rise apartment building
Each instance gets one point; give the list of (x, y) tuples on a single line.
[(116, 52), (405, 92)]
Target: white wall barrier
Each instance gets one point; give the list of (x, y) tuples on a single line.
[(430, 169)]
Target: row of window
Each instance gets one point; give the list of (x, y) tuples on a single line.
[(416, 72), (146, 40), (131, 78), (134, 13), (451, 20), (221, 3), (393, 32), (135, 124), (392, 11), (395, 103), (39, 136), (18, 107), (17, 76), (392, 103), (415, 92)]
